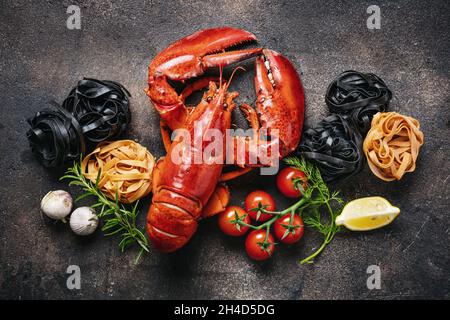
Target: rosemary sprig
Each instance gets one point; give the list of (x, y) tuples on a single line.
[(314, 197), (117, 218)]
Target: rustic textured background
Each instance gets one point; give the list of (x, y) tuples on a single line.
[(41, 60)]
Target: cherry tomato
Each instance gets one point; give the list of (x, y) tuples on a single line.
[(296, 229), (255, 248), (285, 182), (226, 221), (252, 201)]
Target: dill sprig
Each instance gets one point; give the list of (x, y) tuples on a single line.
[(118, 219), (318, 196)]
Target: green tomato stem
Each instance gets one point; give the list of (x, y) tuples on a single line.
[(275, 217)]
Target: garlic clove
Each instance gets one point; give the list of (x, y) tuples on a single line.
[(83, 221), (57, 204)]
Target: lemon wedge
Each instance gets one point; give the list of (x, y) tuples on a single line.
[(367, 214)]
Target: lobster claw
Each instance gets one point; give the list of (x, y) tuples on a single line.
[(191, 56), (188, 58), (280, 101)]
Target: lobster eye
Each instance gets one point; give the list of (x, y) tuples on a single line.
[(209, 98), (225, 105)]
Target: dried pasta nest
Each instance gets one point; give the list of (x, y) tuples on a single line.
[(392, 145), (94, 111), (125, 168), (334, 146), (55, 136), (359, 95), (101, 107)]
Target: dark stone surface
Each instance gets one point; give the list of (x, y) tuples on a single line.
[(41, 60)]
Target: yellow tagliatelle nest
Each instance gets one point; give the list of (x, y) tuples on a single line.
[(392, 145), (126, 168)]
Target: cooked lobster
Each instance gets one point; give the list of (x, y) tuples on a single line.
[(183, 193)]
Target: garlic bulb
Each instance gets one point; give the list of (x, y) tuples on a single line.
[(83, 221), (56, 204)]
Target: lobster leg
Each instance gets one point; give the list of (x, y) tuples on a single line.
[(196, 86), (252, 118), (218, 201), (165, 135), (156, 174)]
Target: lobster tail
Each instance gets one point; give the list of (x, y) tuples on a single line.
[(169, 228), (171, 220)]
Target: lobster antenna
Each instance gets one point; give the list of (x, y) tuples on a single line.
[(232, 74), (220, 76)]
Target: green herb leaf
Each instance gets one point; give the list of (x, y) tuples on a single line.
[(118, 219), (318, 196)]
